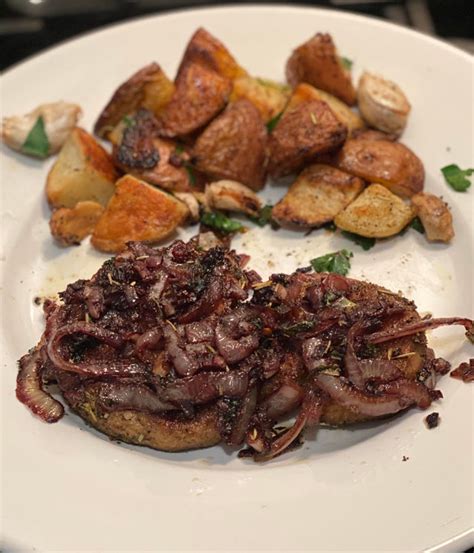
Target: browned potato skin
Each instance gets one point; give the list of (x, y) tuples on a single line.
[(376, 213), (319, 193), (149, 87), (372, 134), (233, 146), (317, 63), (207, 50), (165, 174), (82, 171), (435, 216), (69, 226), (389, 163), (137, 211), (199, 96), (304, 131)]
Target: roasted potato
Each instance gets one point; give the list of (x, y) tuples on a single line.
[(342, 111), (270, 98), (137, 211), (306, 129), (376, 213), (192, 203), (82, 171), (149, 88), (318, 194), (317, 63), (207, 50), (382, 103), (435, 216), (389, 163), (372, 134), (232, 196), (233, 146), (200, 95), (70, 225)]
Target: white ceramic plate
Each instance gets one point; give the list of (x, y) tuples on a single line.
[(67, 488)]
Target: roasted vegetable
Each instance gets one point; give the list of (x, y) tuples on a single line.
[(318, 194), (382, 103), (207, 50), (137, 211), (149, 88), (342, 111), (306, 128), (376, 213), (41, 132), (191, 202), (317, 63), (389, 163), (83, 171), (232, 196), (220, 222), (435, 217), (70, 225), (269, 97), (233, 146), (200, 94)]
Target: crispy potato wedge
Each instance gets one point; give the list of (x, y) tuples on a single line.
[(435, 215), (382, 103), (342, 111), (137, 211), (317, 63), (376, 213), (70, 225), (207, 50), (82, 171), (232, 196), (306, 129), (233, 146), (200, 95), (318, 194), (149, 87), (270, 98), (389, 163)]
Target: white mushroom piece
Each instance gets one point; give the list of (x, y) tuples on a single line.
[(43, 131), (382, 103), (192, 204), (435, 216), (230, 195)]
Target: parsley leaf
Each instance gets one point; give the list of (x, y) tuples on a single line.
[(457, 177), (362, 241), (346, 63), (273, 122), (337, 262), (37, 143), (302, 326), (128, 121), (417, 225), (264, 217), (219, 221), (191, 175)]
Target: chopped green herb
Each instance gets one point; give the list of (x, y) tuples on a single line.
[(219, 221), (264, 217), (362, 241), (417, 225), (336, 262), (346, 63), (191, 175), (128, 121), (179, 149), (37, 143), (302, 326), (457, 177), (274, 122)]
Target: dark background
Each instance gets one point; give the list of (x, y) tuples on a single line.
[(29, 26)]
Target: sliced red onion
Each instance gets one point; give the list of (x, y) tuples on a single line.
[(200, 331), (29, 389), (370, 405), (409, 391), (242, 420), (420, 326), (115, 396), (206, 304), (232, 348), (283, 401)]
